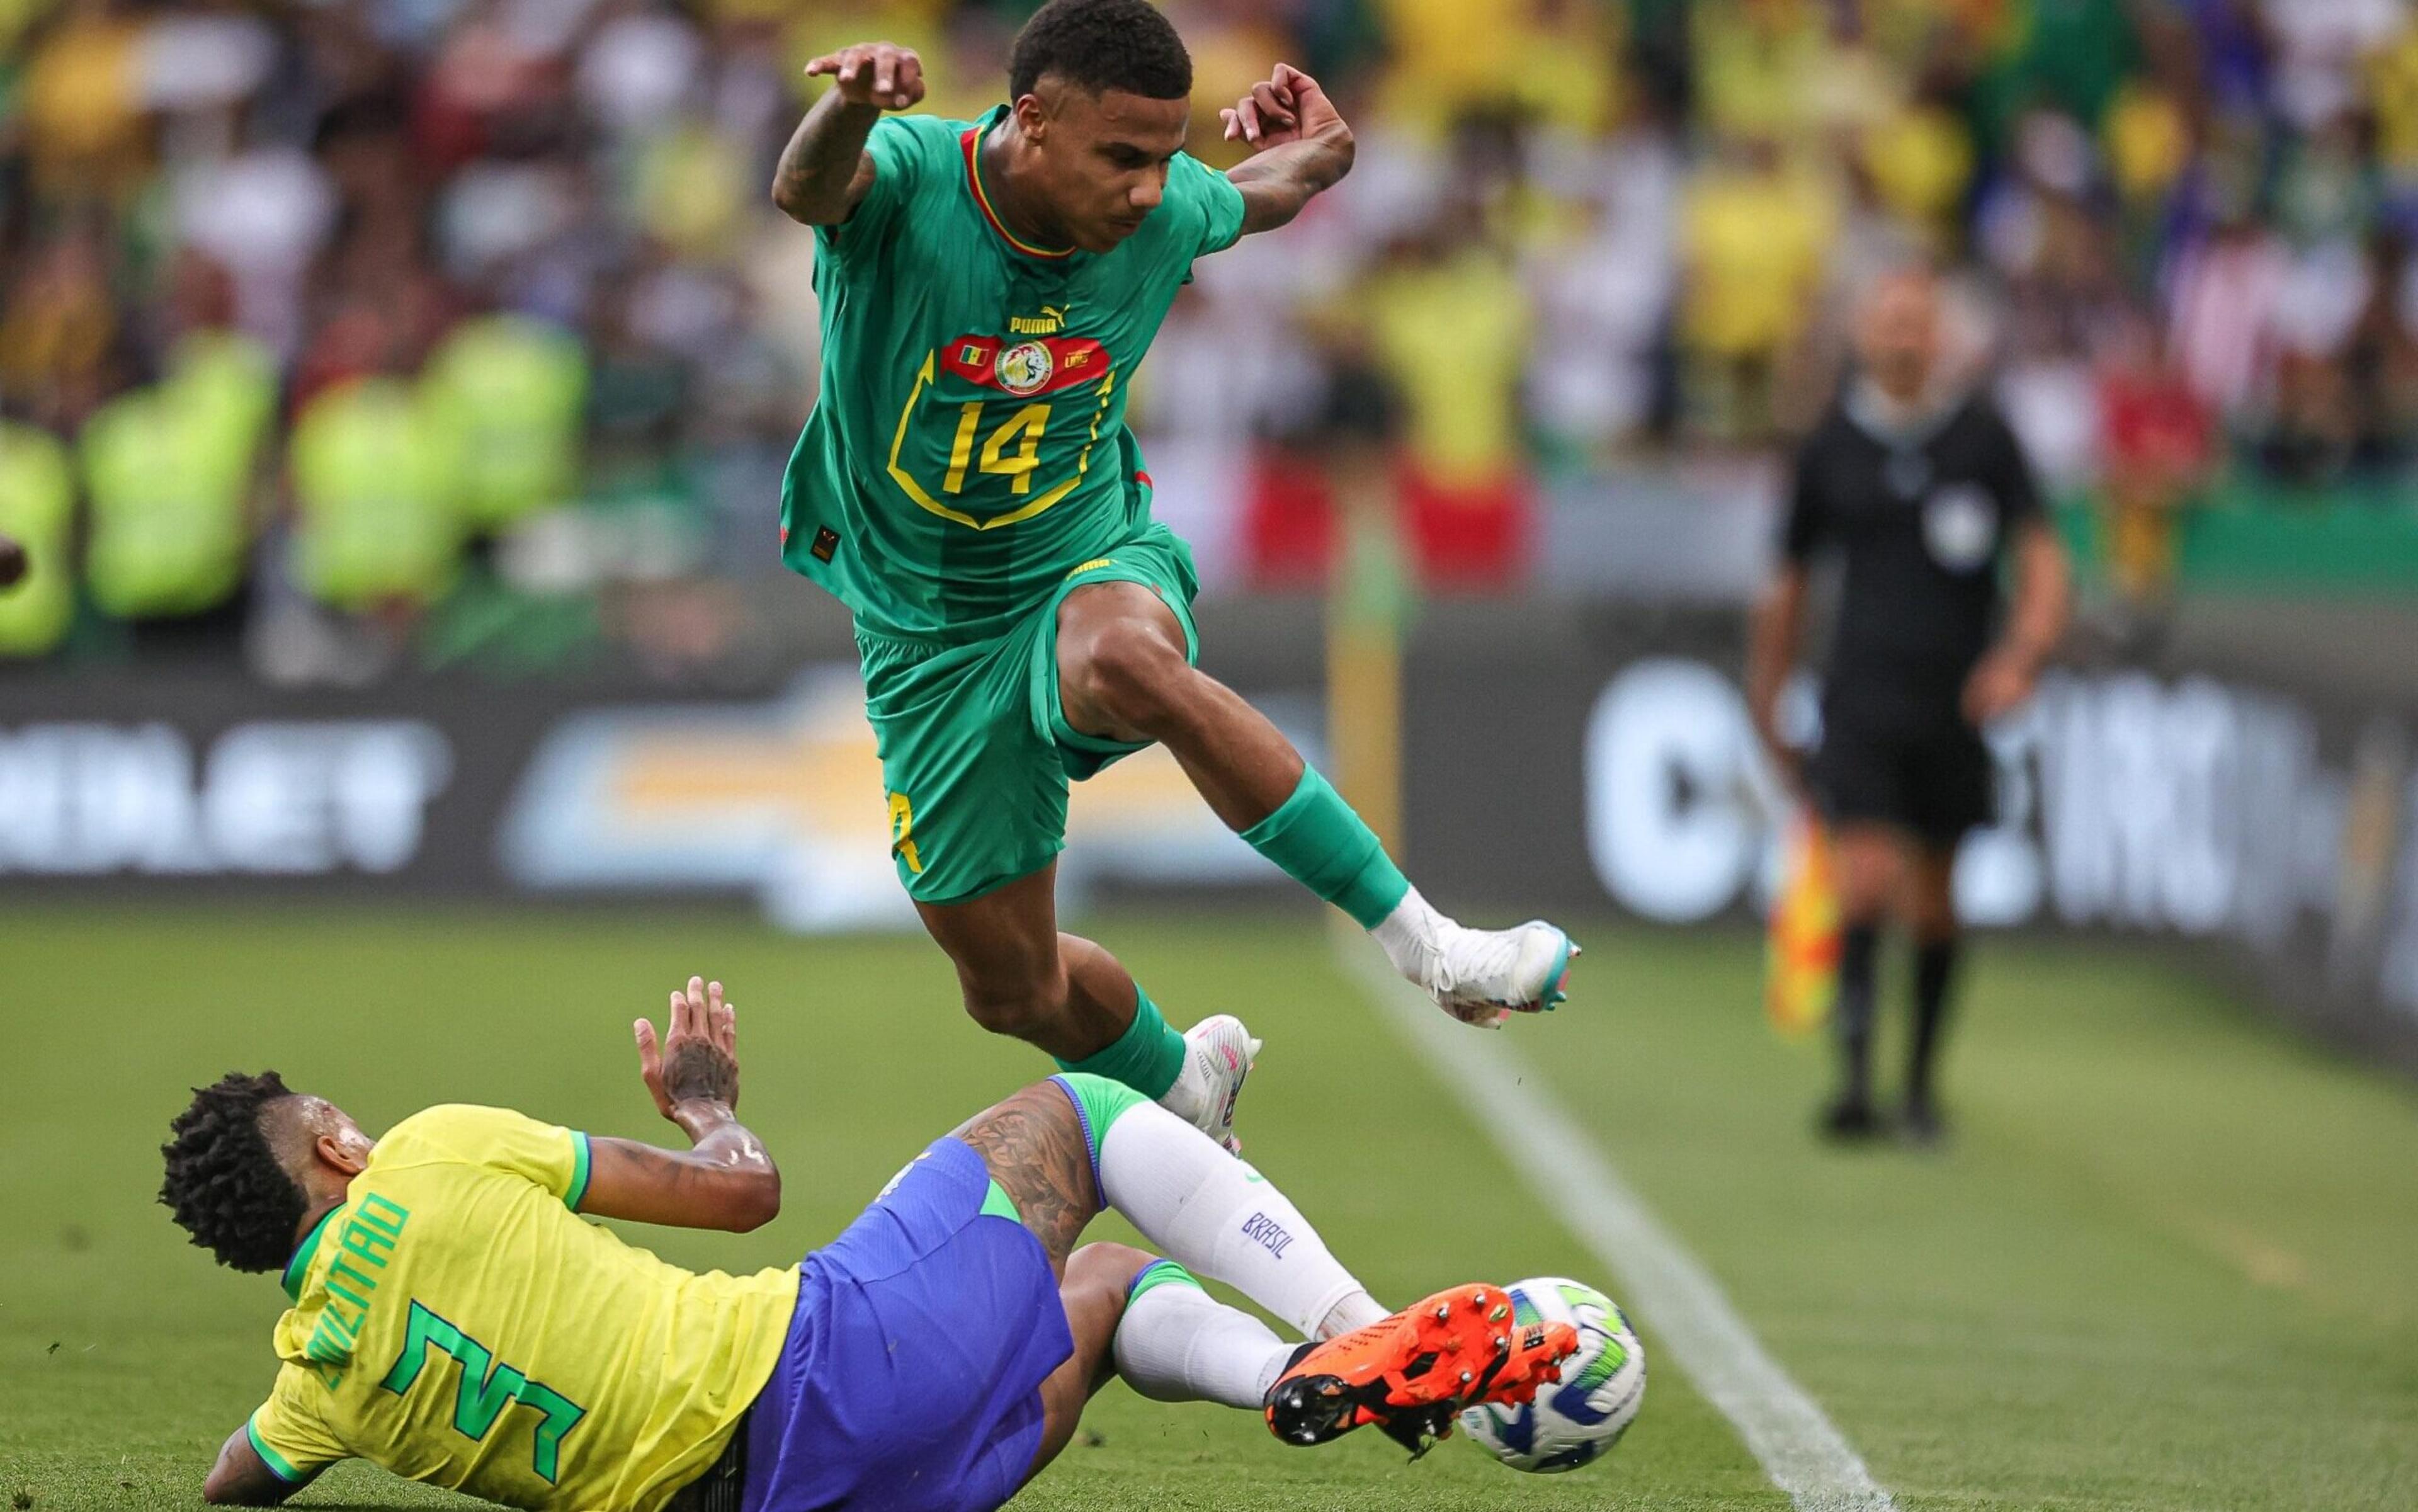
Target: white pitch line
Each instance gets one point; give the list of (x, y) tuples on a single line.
[(1796, 1442)]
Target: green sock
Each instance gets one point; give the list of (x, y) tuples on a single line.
[(1319, 842), (1157, 1274), (1147, 1057)]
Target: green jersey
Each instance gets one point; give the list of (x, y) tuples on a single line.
[(969, 449)]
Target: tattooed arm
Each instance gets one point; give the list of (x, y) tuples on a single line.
[(824, 170), (726, 1181), (1301, 148)]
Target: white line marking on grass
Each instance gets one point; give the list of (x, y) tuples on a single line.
[(1796, 1442)]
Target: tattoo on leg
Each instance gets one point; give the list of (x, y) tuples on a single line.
[(1033, 1145)]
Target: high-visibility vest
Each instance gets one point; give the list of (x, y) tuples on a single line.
[(169, 531), (226, 384), (514, 391), (36, 507), (376, 482)]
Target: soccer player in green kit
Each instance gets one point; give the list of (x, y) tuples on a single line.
[(967, 485)]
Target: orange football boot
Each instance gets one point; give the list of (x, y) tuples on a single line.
[(1412, 1373)]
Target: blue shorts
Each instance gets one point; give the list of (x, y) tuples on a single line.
[(912, 1378)]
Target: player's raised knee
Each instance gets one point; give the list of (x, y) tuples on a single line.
[(1019, 1010), (1110, 1266), (1131, 680)]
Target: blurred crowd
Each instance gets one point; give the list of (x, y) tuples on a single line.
[(361, 332)]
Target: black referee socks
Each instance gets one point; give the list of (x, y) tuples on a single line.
[(1858, 945), (1934, 968)]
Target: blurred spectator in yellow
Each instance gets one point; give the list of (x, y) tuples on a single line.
[(226, 384), (1920, 162), (2391, 81), (513, 393), (169, 470), (1553, 60), (81, 100), (1755, 239), (692, 187), (17, 17), (1450, 326), (37, 510), (376, 485), (1761, 67), (2152, 127), (2149, 138), (1917, 37)]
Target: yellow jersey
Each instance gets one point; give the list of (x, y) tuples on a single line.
[(456, 1322)]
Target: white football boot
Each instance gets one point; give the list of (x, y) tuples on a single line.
[(1218, 1053), (1484, 976)]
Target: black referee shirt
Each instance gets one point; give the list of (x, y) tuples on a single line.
[(1923, 513)]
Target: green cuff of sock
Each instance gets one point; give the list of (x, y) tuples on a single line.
[(1147, 1057), (1157, 1274), (1316, 839), (1099, 1103)]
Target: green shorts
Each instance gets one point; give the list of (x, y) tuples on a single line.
[(976, 749)]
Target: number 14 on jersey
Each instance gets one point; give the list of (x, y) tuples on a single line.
[(1021, 431)]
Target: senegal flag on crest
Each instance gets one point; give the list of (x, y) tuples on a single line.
[(1802, 959)]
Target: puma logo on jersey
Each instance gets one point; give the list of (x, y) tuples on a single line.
[(1052, 320)]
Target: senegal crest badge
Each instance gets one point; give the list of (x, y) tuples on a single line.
[(1025, 367)]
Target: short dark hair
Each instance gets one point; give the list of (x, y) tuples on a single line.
[(225, 1185), (1100, 45)]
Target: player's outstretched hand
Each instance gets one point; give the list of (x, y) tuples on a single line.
[(699, 1058), (1287, 107), (881, 74)]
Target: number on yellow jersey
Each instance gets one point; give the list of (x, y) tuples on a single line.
[(486, 1387), (1022, 431), (946, 444)]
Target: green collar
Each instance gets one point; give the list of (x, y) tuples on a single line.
[(300, 1266)]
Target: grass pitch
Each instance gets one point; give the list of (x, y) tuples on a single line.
[(2170, 1263)]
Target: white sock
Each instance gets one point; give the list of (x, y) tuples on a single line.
[(1358, 1310), (1178, 1344), (1218, 1218), (1412, 937)]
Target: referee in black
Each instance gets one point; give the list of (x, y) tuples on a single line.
[(1927, 497)]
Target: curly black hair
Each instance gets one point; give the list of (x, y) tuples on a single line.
[(226, 1184), (1099, 45)]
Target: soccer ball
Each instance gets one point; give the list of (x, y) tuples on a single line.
[(1581, 1416)]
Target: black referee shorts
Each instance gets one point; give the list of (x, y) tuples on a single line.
[(1935, 780)]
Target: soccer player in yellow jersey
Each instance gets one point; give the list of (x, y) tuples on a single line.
[(456, 1319)]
